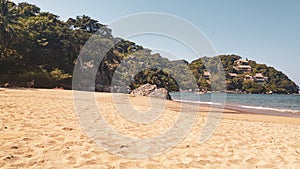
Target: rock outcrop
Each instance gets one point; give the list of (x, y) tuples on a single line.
[(151, 91)]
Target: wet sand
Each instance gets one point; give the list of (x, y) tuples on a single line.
[(40, 129)]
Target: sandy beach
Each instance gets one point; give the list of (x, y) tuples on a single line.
[(40, 129)]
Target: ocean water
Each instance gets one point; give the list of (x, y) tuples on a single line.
[(252, 102)]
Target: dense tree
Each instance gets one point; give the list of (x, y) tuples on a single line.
[(252, 87), (155, 76), (229, 60), (27, 10), (7, 22), (235, 83), (89, 25)]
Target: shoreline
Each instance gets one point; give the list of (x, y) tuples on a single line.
[(228, 109), (262, 104), (231, 107), (239, 109), (262, 111), (250, 115)]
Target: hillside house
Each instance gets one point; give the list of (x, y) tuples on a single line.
[(260, 78), (206, 75), (232, 75), (243, 65)]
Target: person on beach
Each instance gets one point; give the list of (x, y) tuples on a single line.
[(6, 85), (30, 84)]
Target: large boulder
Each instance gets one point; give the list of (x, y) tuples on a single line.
[(151, 91)]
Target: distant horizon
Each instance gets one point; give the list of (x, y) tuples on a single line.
[(265, 31)]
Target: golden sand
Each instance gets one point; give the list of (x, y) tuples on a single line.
[(40, 129)]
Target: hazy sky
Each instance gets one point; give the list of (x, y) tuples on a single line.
[(267, 31)]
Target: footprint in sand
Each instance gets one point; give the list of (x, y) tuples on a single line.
[(67, 129), (9, 158), (26, 139)]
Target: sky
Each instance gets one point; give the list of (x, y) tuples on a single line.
[(267, 31)]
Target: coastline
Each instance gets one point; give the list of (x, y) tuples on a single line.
[(40, 129), (261, 111), (274, 105), (237, 113), (238, 109)]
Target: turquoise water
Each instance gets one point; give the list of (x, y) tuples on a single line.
[(274, 102)]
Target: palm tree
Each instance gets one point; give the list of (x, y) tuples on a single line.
[(7, 20)]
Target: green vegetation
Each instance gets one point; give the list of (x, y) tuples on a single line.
[(276, 81), (36, 45)]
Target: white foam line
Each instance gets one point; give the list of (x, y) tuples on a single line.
[(198, 102), (242, 106), (269, 108)]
